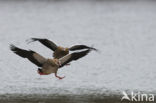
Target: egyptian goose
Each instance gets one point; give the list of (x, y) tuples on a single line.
[(59, 51), (48, 66)]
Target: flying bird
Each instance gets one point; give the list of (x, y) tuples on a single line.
[(48, 66), (59, 51)]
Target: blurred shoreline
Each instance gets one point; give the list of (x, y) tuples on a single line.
[(56, 98)]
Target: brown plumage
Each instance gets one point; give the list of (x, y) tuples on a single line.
[(59, 51), (48, 66)]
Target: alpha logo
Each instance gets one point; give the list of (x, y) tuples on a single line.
[(137, 97)]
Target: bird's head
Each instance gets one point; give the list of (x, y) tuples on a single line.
[(40, 71)]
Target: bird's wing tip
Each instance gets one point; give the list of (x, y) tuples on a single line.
[(30, 40), (92, 48), (12, 47)]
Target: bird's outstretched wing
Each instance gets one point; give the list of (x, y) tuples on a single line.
[(74, 56), (51, 45), (31, 55), (79, 47)]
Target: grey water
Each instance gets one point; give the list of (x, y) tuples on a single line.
[(123, 31)]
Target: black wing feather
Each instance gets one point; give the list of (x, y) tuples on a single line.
[(74, 56), (79, 47), (51, 45), (26, 54)]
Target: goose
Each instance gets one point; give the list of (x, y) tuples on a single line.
[(46, 65), (59, 51)]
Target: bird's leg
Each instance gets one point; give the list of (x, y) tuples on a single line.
[(58, 76)]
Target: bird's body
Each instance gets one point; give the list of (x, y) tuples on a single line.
[(48, 66), (60, 52)]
